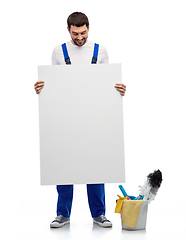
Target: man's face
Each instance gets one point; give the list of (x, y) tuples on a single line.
[(79, 35)]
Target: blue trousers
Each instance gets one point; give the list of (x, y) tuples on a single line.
[(96, 199)]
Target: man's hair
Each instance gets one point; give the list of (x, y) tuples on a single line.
[(77, 19)]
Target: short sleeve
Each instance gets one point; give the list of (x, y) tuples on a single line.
[(54, 57), (103, 55)]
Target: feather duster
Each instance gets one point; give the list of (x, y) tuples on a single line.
[(151, 186)]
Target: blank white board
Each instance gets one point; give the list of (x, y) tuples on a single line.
[(81, 124)]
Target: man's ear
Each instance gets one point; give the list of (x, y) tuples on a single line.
[(68, 29)]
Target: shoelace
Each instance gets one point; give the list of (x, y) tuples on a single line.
[(58, 218), (103, 218)]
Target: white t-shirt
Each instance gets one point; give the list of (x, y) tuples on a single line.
[(79, 55)]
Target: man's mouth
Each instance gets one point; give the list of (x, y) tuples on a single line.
[(80, 41)]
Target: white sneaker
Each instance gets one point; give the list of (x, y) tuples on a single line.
[(59, 221), (102, 221)]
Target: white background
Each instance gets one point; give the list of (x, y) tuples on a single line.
[(148, 38)]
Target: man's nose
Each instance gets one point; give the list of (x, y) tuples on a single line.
[(79, 37)]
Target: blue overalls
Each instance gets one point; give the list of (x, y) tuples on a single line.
[(95, 192)]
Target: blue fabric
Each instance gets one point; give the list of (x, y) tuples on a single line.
[(96, 48), (96, 199), (65, 53), (95, 54), (65, 197)]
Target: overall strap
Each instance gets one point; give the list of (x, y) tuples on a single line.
[(65, 53), (95, 54)]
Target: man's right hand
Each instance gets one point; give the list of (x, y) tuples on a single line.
[(38, 86)]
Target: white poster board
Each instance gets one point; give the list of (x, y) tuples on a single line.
[(81, 124)]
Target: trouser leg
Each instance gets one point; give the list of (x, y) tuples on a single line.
[(96, 199), (65, 197)]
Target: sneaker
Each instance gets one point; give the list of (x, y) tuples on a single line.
[(102, 221), (59, 221)]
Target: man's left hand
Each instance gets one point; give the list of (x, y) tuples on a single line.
[(121, 88)]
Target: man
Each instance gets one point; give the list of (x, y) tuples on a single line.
[(80, 51)]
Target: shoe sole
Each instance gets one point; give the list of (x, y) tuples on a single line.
[(58, 225), (106, 225)]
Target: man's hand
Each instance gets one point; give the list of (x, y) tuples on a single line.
[(38, 86), (121, 88)]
